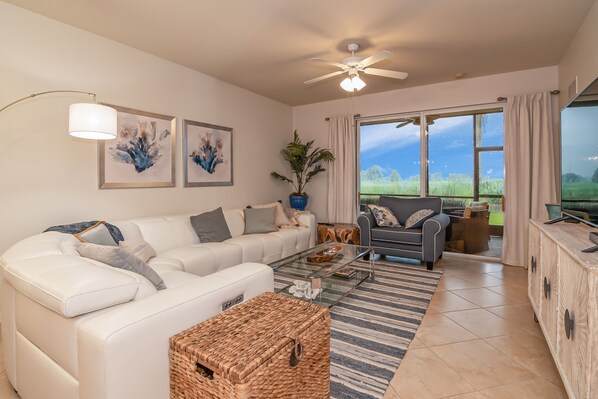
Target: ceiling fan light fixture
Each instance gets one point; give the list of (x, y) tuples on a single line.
[(347, 85), (357, 82)]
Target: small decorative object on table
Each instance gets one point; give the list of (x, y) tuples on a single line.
[(325, 255), (304, 289), (251, 351), (345, 272)]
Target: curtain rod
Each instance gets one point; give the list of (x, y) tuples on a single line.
[(499, 99), (354, 116), (554, 92)]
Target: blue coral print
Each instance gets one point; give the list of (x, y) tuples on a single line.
[(208, 156), (139, 146)]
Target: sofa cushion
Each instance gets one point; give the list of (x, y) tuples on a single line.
[(397, 234), (204, 258), (252, 248), (70, 285), (121, 258), (259, 220), (211, 226)]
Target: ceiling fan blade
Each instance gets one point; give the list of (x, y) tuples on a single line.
[(333, 63), (375, 58), (403, 124), (386, 73), (314, 80)]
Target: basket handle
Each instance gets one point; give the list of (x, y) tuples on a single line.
[(296, 352)]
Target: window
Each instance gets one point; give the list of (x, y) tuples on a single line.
[(461, 158), (390, 161)]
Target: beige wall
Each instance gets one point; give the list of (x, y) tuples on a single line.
[(309, 119), (581, 57), (47, 177)]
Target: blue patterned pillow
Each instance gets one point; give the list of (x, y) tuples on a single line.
[(384, 217)]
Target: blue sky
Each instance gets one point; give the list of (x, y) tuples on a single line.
[(450, 147)]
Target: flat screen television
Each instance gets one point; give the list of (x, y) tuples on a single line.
[(579, 166)]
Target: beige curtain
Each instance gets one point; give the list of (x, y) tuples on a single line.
[(342, 178), (532, 164)]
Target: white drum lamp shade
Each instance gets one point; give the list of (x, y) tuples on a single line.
[(92, 121)]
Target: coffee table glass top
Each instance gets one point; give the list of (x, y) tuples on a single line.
[(298, 269)]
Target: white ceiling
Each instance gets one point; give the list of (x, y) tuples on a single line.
[(264, 45)]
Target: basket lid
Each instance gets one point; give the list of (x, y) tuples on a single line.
[(238, 341)]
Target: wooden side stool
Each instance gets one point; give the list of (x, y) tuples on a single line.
[(338, 232)]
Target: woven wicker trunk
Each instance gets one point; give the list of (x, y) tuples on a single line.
[(252, 351)]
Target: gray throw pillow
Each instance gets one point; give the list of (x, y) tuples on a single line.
[(211, 226), (417, 219), (259, 220), (121, 258)]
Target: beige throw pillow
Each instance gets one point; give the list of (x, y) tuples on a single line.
[(140, 249)]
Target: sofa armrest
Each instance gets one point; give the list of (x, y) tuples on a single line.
[(434, 232), (71, 285), (309, 220), (123, 352), (365, 222)]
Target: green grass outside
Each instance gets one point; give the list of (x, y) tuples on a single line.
[(584, 189)]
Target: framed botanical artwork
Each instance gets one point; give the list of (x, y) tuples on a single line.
[(207, 154), (143, 153)]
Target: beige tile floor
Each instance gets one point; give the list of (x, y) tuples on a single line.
[(478, 340)]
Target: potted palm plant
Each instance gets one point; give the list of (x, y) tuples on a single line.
[(305, 163)]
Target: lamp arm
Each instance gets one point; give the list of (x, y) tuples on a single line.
[(47, 92)]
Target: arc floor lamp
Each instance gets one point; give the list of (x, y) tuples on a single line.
[(86, 120)]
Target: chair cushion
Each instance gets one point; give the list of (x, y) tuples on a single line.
[(397, 234)]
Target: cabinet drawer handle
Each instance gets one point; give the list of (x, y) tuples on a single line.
[(569, 324), (546, 288), (533, 264)]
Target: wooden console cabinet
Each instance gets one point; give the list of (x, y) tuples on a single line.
[(563, 290)]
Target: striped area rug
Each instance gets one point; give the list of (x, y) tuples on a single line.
[(373, 325)]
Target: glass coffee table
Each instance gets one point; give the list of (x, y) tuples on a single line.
[(301, 275)]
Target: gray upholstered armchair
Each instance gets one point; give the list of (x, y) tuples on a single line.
[(425, 244)]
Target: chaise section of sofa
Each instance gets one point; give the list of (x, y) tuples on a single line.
[(77, 328)]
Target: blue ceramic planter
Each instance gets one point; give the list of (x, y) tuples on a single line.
[(298, 202)]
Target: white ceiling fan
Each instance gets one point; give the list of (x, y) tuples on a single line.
[(353, 65)]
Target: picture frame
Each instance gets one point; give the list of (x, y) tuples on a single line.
[(143, 154), (207, 154)]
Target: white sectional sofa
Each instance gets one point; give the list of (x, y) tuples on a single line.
[(76, 328)]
